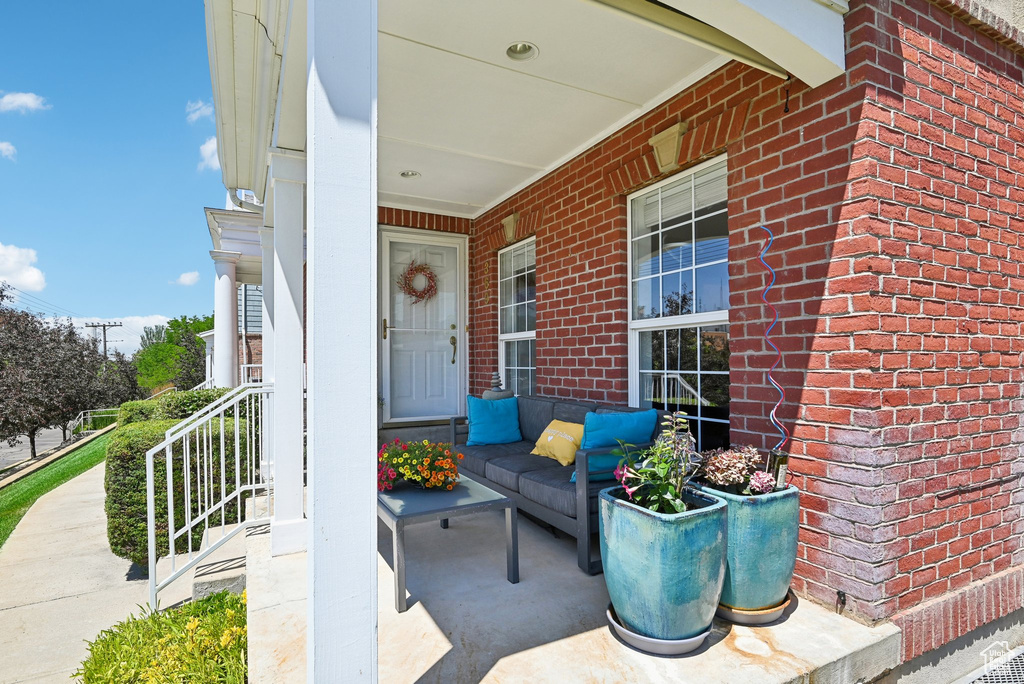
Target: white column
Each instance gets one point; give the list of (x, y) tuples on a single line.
[(267, 244), (267, 267), (288, 522), (225, 319), (341, 144)]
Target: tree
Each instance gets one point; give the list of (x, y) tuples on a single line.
[(119, 381), (179, 358), (73, 381), (153, 334), (157, 364), (191, 366)]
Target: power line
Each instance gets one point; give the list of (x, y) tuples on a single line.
[(40, 300)]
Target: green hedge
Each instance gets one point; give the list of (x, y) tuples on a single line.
[(181, 405), (170, 406), (136, 411), (201, 641), (126, 486)]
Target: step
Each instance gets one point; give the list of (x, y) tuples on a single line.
[(432, 433)]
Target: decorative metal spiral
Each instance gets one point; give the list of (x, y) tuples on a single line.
[(783, 432)]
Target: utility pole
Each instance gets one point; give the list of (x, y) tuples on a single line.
[(104, 326)]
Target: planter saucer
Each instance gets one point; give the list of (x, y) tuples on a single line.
[(663, 647), (739, 616)]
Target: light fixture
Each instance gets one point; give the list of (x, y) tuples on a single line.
[(410, 174), (521, 52)]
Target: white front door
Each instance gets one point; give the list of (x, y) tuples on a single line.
[(423, 354)]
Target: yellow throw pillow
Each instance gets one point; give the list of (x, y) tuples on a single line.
[(559, 441)]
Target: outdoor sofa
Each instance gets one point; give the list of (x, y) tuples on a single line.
[(539, 485)]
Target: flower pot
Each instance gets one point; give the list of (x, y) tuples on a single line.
[(664, 572), (761, 549)]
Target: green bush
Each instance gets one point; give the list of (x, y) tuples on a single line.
[(170, 406), (202, 641), (136, 411), (126, 485), (181, 405)]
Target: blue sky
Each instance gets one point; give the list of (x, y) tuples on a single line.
[(100, 165)]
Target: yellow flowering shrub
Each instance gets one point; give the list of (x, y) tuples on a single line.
[(199, 642)]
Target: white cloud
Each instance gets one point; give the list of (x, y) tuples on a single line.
[(22, 102), (196, 110), (16, 268), (125, 338), (186, 279), (7, 150), (208, 155)]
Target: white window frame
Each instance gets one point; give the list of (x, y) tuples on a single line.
[(511, 337), (694, 320)]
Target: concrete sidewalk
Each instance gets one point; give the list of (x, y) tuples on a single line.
[(60, 585)]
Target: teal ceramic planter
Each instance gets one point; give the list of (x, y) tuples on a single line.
[(762, 547), (664, 572)]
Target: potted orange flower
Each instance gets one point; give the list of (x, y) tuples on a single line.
[(425, 464)]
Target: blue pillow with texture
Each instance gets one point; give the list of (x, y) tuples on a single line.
[(601, 467), (608, 429), (493, 421)]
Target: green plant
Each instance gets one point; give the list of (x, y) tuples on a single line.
[(657, 477), (126, 485), (201, 641), (136, 411), (17, 498)]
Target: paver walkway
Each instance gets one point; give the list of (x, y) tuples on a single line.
[(60, 585)]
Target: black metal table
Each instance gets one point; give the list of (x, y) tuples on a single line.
[(407, 505)]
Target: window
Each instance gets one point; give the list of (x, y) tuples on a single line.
[(679, 300), (517, 316), (250, 308)]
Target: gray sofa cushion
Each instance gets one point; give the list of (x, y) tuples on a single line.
[(534, 415), (507, 469), (475, 457), (572, 411), (552, 489)]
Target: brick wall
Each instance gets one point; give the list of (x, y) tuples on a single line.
[(894, 193)]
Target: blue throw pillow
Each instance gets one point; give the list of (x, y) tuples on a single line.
[(608, 429), (601, 467), (493, 421)]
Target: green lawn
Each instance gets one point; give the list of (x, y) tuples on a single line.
[(16, 499)]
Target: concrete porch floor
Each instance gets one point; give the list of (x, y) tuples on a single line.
[(466, 623)]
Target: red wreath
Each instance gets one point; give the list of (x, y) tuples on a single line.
[(409, 275)]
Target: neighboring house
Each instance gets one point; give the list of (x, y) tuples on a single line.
[(587, 181)]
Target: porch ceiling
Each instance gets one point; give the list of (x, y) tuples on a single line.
[(477, 125), (452, 106)]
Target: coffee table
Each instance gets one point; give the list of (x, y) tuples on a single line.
[(406, 505)]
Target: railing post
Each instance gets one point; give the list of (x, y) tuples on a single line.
[(151, 523)]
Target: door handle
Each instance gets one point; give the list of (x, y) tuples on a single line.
[(384, 329), (454, 342)]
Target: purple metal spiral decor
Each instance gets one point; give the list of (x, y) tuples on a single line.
[(783, 432)]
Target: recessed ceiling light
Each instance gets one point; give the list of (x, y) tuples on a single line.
[(410, 174), (522, 52)]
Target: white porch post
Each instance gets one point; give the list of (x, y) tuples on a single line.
[(267, 269), (288, 523), (341, 129), (267, 245), (225, 319)]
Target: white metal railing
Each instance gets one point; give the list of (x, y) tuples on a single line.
[(251, 372), (172, 388), (86, 420), (205, 384), (212, 467)]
